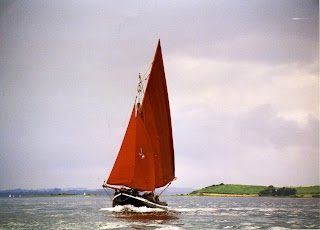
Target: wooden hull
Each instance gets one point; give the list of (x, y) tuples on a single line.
[(137, 201)]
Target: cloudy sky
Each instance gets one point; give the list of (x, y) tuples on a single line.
[(243, 81)]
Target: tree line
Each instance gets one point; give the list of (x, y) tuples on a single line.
[(272, 191)]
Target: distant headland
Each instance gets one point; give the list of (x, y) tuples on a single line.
[(58, 192), (238, 190), (50, 192)]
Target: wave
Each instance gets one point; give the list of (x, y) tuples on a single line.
[(133, 209), (193, 209)]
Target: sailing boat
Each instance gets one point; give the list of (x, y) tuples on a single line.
[(146, 157)]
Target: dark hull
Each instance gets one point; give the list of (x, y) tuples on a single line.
[(137, 201)]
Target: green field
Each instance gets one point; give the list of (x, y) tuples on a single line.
[(251, 190), (308, 191)]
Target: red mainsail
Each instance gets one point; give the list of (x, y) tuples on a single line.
[(146, 157)]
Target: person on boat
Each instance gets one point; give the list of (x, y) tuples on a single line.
[(156, 198), (151, 197), (133, 192), (148, 195)]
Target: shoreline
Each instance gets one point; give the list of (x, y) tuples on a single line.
[(247, 195), (239, 190)]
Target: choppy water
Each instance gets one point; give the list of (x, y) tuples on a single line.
[(184, 213)]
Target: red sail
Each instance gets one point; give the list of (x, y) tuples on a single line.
[(146, 157)]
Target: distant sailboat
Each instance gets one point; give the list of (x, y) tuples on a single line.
[(146, 158)]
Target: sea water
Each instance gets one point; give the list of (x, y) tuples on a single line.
[(81, 212)]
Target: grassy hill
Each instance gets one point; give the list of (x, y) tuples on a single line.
[(249, 190), (308, 191)]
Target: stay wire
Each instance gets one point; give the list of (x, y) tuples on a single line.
[(108, 195)]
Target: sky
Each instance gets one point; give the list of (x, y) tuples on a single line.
[(242, 77)]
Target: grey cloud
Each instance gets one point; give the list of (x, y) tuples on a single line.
[(242, 30), (252, 147), (264, 127)]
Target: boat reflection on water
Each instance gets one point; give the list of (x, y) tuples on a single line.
[(148, 216), (129, 212)]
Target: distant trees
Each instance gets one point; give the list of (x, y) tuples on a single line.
[(215, 185), (286, 191), (272, 191)]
